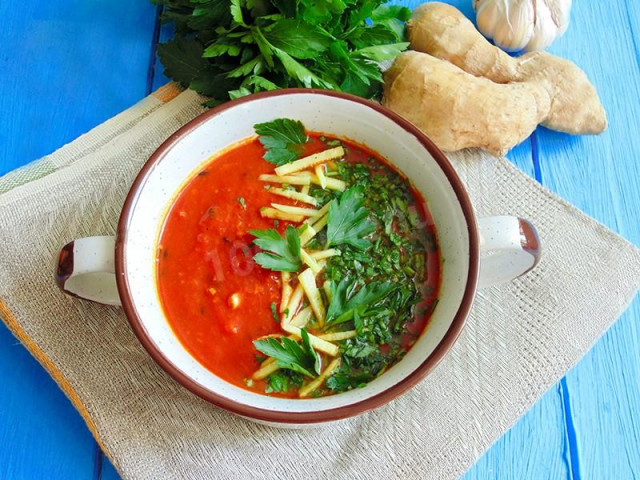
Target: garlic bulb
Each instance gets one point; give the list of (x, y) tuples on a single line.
[(522, 24)]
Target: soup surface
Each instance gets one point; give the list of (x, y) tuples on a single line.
[(299, 282)]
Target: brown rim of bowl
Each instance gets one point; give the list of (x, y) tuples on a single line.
[(316, 416)]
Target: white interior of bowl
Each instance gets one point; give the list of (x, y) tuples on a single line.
[(331, 115)]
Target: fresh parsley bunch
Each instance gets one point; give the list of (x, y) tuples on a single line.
[(226, 49)]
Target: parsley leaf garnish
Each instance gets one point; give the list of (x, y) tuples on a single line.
[(362, 363), (281, 381), (347, 381), (281, 254), (290, 355), (348, 220), (283, 139), (278, 383), (345, 304), (311, 353)]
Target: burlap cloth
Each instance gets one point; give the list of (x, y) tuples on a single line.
[(519, 339)]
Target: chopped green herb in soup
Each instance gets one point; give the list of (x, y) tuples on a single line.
[(345, 265)]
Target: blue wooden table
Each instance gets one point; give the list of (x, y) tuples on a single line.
[(68, 65)]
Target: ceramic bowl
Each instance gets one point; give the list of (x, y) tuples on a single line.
[(510, 245)]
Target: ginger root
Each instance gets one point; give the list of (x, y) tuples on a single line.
[(458, 110), (444, 32)]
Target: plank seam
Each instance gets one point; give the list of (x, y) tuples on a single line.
[(151, 69), (535, 158), (571, 452), (98, 462), (633, 35)]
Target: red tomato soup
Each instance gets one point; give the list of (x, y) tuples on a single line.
[(218, 300)]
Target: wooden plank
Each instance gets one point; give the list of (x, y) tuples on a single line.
[(68, 65), (532, 449), (513, 454), (601, 175), (161, 32), (108, 471), (41, 434), (159, 79)]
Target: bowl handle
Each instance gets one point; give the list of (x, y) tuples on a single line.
[(86, 269), (509, 248)]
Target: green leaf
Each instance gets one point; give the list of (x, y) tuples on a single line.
[(388, 12), (320, 11), (345, 304), (212, 84), (363, 10), (299, 71), (281, 381), (343, 382), (339, 52), (280, 156), (278, 382), (369, 69), (369, 294), (367, 36), (240, 92), (348, 220), (210, 14), (396, 26), (310, 351), (260, 83), (392, 17), (252, 84), (221, 48), (247, 38), (264, 46), (180, 21), (265, 19), (298, 38), (247, 54), (246, 69), (283, 139), (358, 322), (361, 350), (288, 8), (292, 36), (356, 86), (340, 293), (182, 59), (289, 354), (281, 254), (274, 312), (236, 12), (347, 377), (283, 130), (379, 53)]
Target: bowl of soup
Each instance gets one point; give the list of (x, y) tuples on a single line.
[(299, 256)]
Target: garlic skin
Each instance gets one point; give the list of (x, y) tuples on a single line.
[(527, 25)]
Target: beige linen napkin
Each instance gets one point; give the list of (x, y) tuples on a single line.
[(520, 338)]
